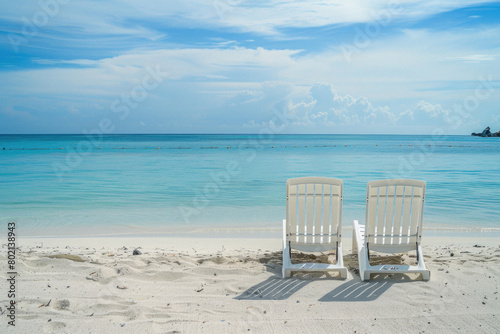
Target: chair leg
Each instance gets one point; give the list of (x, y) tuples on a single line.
[(340, 261), (343, 273), (287, 263), (420, 257), (364, 263), (287, 254)]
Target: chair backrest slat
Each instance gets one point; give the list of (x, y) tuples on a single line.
[(394, 211), (318, 218), (398, 213), (407, 206), (381, 206), (416, 213), (327, 213), (389, 215), (314, 210), (301, 224), (309, 223), (336, 211)]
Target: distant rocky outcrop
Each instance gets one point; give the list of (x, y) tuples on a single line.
[(486, 133)]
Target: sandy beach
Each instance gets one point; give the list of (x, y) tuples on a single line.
[(231, 285)]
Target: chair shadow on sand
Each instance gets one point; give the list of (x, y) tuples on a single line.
[(277, 288), (274, 288), (357, 291), (352, 290)]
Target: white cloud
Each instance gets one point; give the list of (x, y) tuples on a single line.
[(323, 104), (111, 77), (384, 84), (432, 111), (268, 16), (324, 110), (133, 18), (473, 58)]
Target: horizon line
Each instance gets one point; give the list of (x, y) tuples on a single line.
[(229, 134)]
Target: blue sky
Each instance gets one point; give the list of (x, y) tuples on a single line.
[(234, 66)]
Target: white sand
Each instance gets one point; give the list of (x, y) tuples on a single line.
[(209, 285)]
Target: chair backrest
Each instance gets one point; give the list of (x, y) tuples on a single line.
[(394, 210), (313, 213)]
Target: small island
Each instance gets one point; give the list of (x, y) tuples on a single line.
[(486, 133)]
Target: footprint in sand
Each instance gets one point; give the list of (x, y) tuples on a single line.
[(53, 327), (62, 304), (103, 275)]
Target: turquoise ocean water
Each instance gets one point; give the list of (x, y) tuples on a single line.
[(77, 185)]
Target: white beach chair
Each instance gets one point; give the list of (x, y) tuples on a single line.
[(313, 222), (394, 210)]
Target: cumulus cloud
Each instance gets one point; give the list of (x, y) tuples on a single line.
[(323, 109), (325, 105), (406, 78), (432, 111)]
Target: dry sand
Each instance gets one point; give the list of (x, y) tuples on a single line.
[(210, 285)]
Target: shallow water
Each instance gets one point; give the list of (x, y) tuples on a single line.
[(79, 185)]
